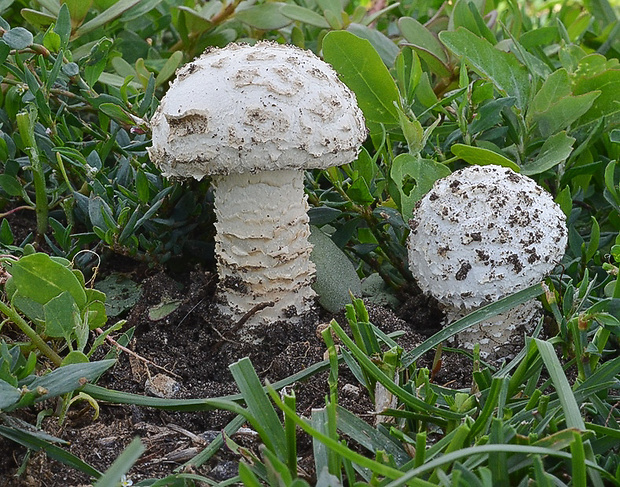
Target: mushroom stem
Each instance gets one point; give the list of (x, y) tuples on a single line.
[(262, 243), (500, 336)]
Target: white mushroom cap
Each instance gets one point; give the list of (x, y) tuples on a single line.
[(482, 233), (252, 108)]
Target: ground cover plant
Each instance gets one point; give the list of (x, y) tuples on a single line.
[(107, 267)]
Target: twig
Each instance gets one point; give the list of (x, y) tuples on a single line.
[(249, 314), (134, 354)]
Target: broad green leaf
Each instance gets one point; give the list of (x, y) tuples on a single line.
[(384, 46), (9, 395), (563, 113), (52, 5), (554, 107), (39, 278), (510, 76), (78, 10), (36, 18), (335, 275), (595, 73), (362, 70), (63, 25), (74, 357), (419, 36), (305, 15), (10, 185), (97, 60), (69, 378), (266, 16), (408, 169), (18, 38), (168, 69), (61, 314), (334, 6), (465, 14), (555, 150), (6, 234), (482, 157), (106, 16), (426, 45)]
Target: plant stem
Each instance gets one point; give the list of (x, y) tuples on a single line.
[(25, 123), (14, 316)]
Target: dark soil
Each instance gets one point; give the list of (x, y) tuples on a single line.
[(192, 348)]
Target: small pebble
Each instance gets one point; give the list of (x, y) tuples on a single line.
[(161, 385)]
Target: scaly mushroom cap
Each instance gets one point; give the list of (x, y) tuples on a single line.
[(482, 233), (251, 108)]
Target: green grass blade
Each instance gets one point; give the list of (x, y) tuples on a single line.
[(471, 319), (337, 447), (578, 454), (484, 450), (570, 407), (389, 384), (112, 476), (215, 445), (33, 442), (370, 438), (259, 405)]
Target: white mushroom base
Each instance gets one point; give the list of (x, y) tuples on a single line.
[(262, 245), (500, 337)]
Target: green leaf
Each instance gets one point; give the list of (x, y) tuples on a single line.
[(266, 16), (97, 60), (170, 66), (39, 278), (259, 406), (595, 73), (510, 76), (9, 395), (37, 441), (36, 18), (61, 313), (555, 150), (423, 172), (304, 15), (74, 357), (362, 70), (565, 200), (482, 157), (554, 107), (472, 319), (384, 46), (106, 16), (420, 37), (69, 378), (10, 185), (117, 113), (426, 45), (63, 25), (6, 234), (78, 9), (18, 38), (122, 465), (335, 275)]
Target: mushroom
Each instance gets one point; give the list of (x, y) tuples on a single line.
[(253, 118), (478, 235)]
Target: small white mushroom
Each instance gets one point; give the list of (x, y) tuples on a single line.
[(254, 117), (480, 234)]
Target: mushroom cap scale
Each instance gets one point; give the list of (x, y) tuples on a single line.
[(254, 108), (482, 233)]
